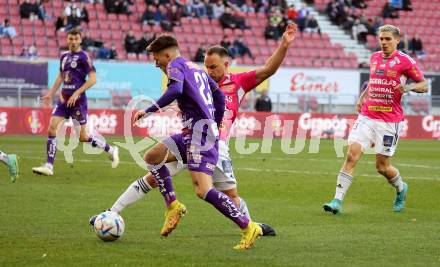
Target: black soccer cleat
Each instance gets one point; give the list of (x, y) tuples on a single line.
[(267, 230)]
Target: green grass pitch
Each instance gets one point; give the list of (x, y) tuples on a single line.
[(44, 220)]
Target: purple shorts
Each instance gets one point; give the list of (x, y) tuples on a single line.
[(197, 158), (78, 112)]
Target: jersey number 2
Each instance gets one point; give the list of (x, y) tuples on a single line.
[(202, 83)]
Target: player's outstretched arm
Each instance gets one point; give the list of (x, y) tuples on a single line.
[(275, 60), (419, 87), (89, 83), (175, 88)]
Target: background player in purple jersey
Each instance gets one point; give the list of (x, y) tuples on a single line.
[(75, 66), (202, 105)]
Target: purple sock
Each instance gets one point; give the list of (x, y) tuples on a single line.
[(165, 184), (96, 142), (51, 149), (225, 205)]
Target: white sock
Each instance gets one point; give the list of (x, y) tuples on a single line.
[(134, 192), (397, 182), (342, 185), (4, 157), (244, 209)]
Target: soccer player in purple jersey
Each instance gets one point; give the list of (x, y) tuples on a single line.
[(202, 105), (75, 66)]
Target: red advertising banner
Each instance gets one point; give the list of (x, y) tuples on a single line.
[(33, 121)]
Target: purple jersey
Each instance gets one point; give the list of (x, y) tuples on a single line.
[(74, 68), (195, 102)]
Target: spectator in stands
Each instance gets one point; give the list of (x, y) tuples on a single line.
[(61, 23), (218, 9), (73, 13), (118, 6), (176, 14), (396, 4), (378, 22), (311, 25), (303, 12), (149, 15), (347, 18), (113, 52), (130, 43), (272, 32), (41, 12), (209, 7), (389, 11), (276, 17), (198, 9), (239, 18), (404, 44), (227, 44), (227, 19), (9, 30), (28, 10), (200, 54), (145, 41), (241, 48), (335, 10), (291, 13), (248, 7), (359, 31), (407, 5), (359, 4), (263, 103), (165, 19), (417, 46), (29, 51), (84, 13), (90, 44), (103, 52)]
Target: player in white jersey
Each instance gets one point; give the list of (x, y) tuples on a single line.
[(381, 116), (234, 86)]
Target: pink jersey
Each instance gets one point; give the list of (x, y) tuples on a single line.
[(383, 101), (235, 87)]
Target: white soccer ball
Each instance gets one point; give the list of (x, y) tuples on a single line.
[(109, 226)]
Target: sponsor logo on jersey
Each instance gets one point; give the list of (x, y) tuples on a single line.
[(380, 72), (380, 108), (391, 73), (392, 63)]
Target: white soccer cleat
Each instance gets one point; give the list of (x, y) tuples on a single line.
[(46, 169), (114, 157)]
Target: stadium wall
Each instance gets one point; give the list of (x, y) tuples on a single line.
[(110, 122)]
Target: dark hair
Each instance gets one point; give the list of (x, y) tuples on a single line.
[(74, 32), (219, 50), (162, 42)]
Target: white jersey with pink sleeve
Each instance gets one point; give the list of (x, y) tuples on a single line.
[(235, 87), (383, 100)]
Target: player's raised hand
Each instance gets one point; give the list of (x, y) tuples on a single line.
[(139, 115), (72, 99), (289, 34)]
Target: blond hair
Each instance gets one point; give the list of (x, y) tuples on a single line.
[(390, 28)]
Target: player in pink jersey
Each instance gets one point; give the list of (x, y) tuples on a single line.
[(381, 116), (234, 86)]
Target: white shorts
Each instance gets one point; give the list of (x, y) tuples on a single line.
[(383, 136), (223, 177)]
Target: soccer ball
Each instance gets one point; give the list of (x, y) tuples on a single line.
[(109, 226)]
